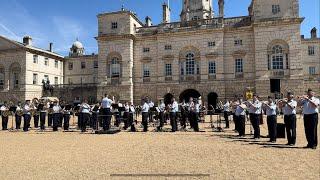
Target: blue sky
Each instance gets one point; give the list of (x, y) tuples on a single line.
[(62, 21)]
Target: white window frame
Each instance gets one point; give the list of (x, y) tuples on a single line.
[(56, 64), (276, 9), (146, 70), (212, 69), (35, 59), (46, 61), (114, 25), (239, 66), (35, 79), (115, 67), (311, 50), (70, 65), (312, 70), (168, 69)]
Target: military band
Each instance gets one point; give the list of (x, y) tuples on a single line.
[(100, 115)]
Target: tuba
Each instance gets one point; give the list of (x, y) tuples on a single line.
[(7, 112)]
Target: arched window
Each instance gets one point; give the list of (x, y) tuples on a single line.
[(115, 67), (277, 57), (190, 64)]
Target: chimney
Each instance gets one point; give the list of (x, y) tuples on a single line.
[(166, 13), (314, 33), (27, 40), (221, 8), (148, 21), (51, 47)]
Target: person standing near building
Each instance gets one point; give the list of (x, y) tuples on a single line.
[(26, 116), (106, 111), (56, 115), (145, 115), (289, 110), (226, 112), (240, 117), (85, 109), (4, 115), (255, 111), (310, 106), (18, 115), (271, 111), (173, 115), (162, 108)]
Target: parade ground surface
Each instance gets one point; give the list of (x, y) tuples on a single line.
[(154, 155)]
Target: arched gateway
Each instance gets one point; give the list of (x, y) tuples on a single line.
[(185, 95)]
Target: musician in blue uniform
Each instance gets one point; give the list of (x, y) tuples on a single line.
[(26, 115)]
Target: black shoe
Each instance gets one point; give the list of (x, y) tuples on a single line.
[(314, 147)]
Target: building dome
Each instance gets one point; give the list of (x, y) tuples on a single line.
[(77, 44), (77, 49)]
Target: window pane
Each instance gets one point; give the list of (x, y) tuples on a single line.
[(190, 64)]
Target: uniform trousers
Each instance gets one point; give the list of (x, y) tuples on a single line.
[(66, 119), (241, 120), (56, 121), (145, 116), (106, 119), (36, 121), (290, 122), (173, 121), (226, 118), (50, 119), (272, 127), (42, 120), (311, 129), (26, 123), (5, 123), (18, 121), (255, 122)]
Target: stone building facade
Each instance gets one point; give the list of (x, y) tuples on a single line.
[(23, 67), (204, 54)]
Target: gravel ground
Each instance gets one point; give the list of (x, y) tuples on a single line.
[(151, 155)]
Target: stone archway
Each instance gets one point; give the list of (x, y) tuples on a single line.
[(212, 100), (187, 94), (167, 98)]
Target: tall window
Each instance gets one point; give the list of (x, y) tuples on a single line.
[(114, 25), (212, 68), (239, 66), (46, 61), (83, 65), (168, 70), (115, 67), (70, 81), (56, 64), (70, 66), (190, 64), (35, 79), (312, 70), (277, 57), (95, 64), (1, 79), (276, 9), (46, 78), (16, 80), (146, 70), (311, 50), (56, 80), (35, 59)]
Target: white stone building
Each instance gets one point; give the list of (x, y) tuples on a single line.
[(23, 67)]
